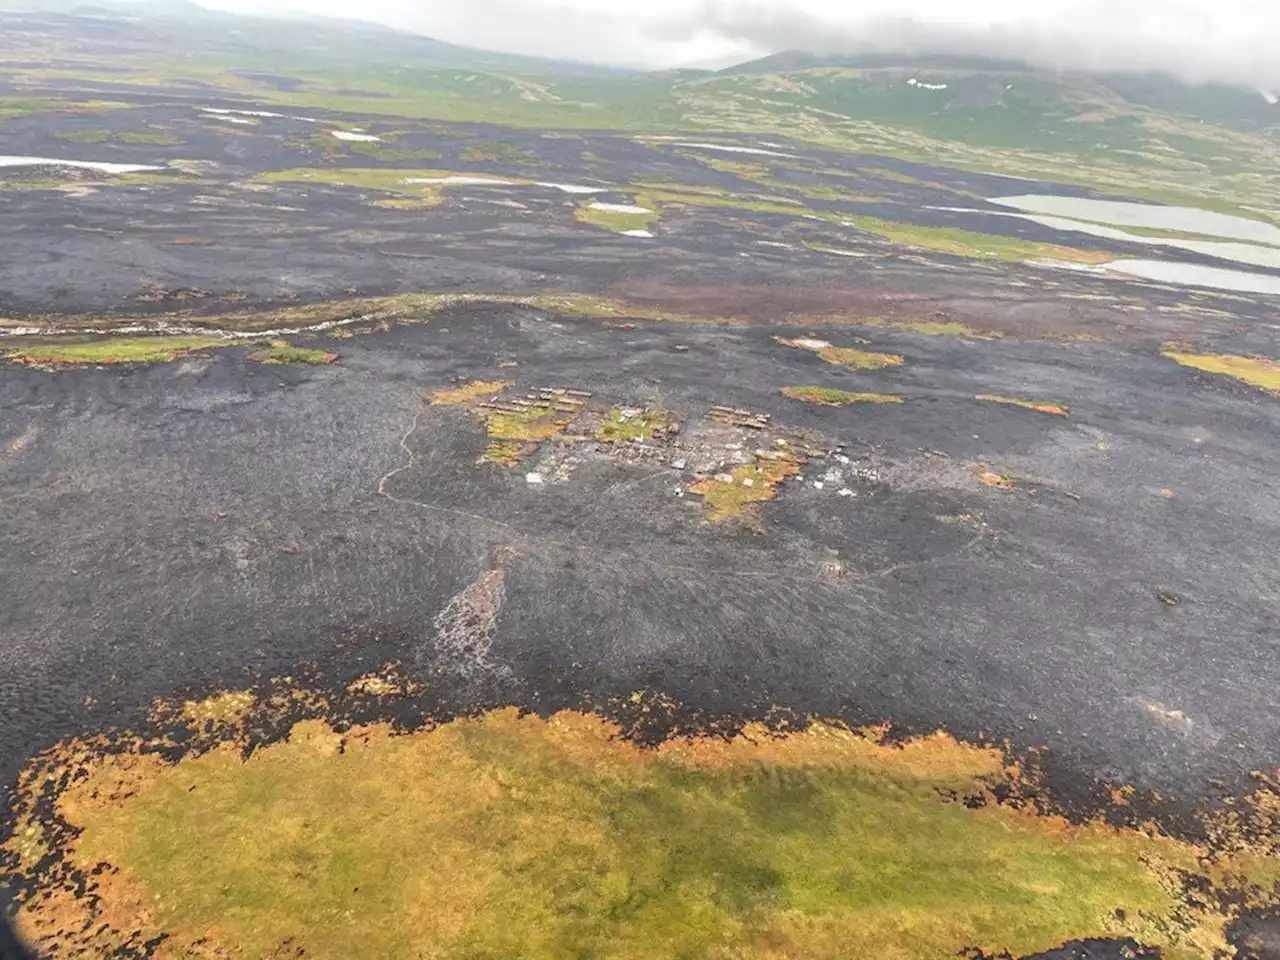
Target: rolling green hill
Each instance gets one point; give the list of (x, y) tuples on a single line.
[(1140, 135)]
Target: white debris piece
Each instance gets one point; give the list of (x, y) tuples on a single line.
[(574, 188), (809, 343), (265, 114), (730, 148), (639, 234), (817, 485), (533, 478), (678, 464), (724, 478), (846, 492), (618, 207), (913, 82), (748, 482), (77, 164), (355, 137), (461, 181)]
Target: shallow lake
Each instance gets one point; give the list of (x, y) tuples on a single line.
[(1151, 216), (1195, 275)]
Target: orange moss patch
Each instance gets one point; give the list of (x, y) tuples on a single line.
[(221, 709), (998, 480), (829, 397), (1037, 406), (468, 393)]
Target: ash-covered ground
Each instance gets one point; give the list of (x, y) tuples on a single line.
[(192, 526), (172, 530)]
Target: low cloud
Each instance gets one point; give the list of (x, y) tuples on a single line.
[(1231, 41)]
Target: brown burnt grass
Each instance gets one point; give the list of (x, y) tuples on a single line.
[(513, 835), (991, 478), (670, 300), (1036, 405), (913, 306)]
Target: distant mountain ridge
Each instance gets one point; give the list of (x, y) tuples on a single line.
[(970, 111), (159, 25), (181, 26), (1236, 107)]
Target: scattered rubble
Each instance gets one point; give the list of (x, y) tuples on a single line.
[(734, 459)]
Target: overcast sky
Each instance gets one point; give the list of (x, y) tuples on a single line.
[(1232, 40)]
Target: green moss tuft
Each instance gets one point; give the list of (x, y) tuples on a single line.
[(104, 351), (281, 352)]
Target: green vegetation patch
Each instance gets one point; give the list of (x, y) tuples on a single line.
[(128, 136), (515, 426), (151, 139), (614, 220), (514, 434), (624, 424), (428, 199), (850, 357), (1260, 372), (969, 243), (856, 359), (418, 196), (282, 352), (763, 176), (86, 136), (933, 328), (361, 314), (21, 107), (104, 351), (695, 197), (391, 154), (499, 151), (510, 835), (738, 494), (830, 397)]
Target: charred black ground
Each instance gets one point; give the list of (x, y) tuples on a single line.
[(178, 529)]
